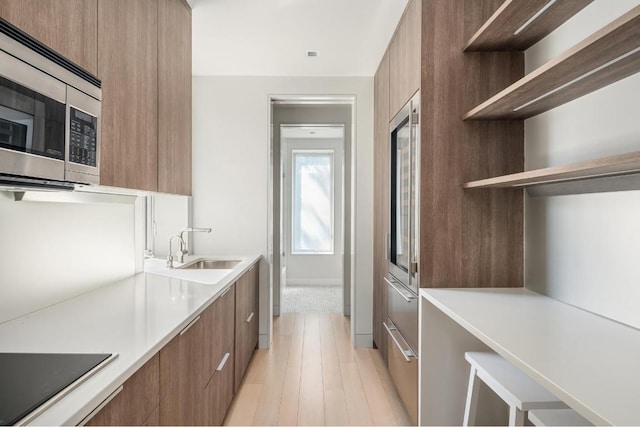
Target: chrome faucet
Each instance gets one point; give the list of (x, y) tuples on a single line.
[(180, 254)]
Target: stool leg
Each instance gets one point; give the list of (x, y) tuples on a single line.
[(472, 399), (516, 416)]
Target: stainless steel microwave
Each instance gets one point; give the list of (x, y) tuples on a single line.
[(49, 114)]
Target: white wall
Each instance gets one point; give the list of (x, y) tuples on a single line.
[(313, 269), (56, 251), (583, 249), (231, 174)]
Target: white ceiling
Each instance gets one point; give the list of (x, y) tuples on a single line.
[(271, 37)]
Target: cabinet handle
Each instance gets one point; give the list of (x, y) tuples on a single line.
[(193, 322), (407, 298), (408, 354), (250, 317), (225, 292), (223, 362), (102, 405)]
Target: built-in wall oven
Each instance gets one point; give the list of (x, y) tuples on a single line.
[(403, 278), (49, 114)]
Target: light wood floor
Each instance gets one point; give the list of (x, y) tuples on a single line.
[(312, 376)]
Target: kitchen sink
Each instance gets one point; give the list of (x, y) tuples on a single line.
[(211, 264)]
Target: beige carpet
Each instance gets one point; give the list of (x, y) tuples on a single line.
[(311, 299)]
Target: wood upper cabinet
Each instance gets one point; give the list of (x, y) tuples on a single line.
[(405, 58), (381, 201), (174, 97), (137, 403), (246, 321), (128, 68), (70, 27)]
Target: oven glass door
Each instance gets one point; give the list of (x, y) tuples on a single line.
[(30, 122), (400, 200)]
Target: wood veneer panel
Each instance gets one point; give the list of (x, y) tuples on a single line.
[(622, 164), (498, 32), (128, 67), (467, 239), (174, 97), (137, 401), (381, 201), (404, 54), (70, 27), (586, 67)]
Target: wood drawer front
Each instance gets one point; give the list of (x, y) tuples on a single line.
[(220, 324), (220, 390), (136, 404), (246, 321), (183, 377)]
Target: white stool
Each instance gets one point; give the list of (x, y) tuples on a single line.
[(557, 417), (517, 389)]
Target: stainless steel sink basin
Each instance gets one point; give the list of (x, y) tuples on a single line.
[(211, 264)]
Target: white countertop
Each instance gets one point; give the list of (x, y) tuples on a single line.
[(134, 318), (590, 362)]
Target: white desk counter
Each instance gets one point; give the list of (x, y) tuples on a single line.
[(590, 362)]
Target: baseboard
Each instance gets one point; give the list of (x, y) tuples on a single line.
[(263, 341), (363, 341), (310, 281)]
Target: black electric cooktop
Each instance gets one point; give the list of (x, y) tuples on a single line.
[(28, 380)]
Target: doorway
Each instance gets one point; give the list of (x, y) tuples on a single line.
[(312, 202), (311, 219)]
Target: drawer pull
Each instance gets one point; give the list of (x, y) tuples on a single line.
[(407, 298), (250, 317), (102, 405), (408, 354), (223, 362), (193, 322), (225, 292)]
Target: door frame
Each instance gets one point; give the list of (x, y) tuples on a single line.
[(349, 189)]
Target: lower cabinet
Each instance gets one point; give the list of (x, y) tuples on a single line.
[(246, 322), (136, 403), (219, 391), (192, 379)]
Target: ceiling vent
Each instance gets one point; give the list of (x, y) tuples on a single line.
[(312, 53)]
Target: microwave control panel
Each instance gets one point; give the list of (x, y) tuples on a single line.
[(83, 142)]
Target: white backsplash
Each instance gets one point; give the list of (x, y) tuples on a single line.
[(55, 251)]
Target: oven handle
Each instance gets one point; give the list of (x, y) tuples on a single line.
[(407, 354), (407, 298)]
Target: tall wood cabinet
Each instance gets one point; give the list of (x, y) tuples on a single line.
[(128, 68), (69, 27), (467, 239), (381, 199)]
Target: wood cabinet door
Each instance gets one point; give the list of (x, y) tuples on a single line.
[(246, 322), (70, 27), (220, 328), (220, 389), (183, 377), (381, 202), (137, 403), (405, 58), (128, 68), (174, 97)]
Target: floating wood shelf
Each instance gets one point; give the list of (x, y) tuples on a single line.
[(519, 24), (623, 164), (609, 55)]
